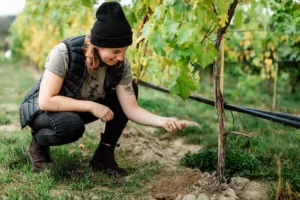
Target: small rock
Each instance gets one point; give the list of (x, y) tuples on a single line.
[(229, 193), (214, 197), (179, 197), (189, 197), (253, 195), (238, 183), (224, 186), (137, 150), (254, 190), (203, 196), (225, 198), (206, 174)]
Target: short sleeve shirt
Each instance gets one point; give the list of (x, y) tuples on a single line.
[(92, 88)]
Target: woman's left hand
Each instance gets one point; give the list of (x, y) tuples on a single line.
[(173, 125)]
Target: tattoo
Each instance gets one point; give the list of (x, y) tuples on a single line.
[(128, 88)]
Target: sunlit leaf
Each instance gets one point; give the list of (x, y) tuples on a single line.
[(147, 29), (179, 6), (184, 35), (223, 19), (207, 55), (158, 43), (88, 3), (170, 28), (238, 19), (159, 12), (220, 4)]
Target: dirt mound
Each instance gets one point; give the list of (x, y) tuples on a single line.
[(182, 183), (173, 186)]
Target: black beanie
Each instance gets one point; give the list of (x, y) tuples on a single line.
[(111, 29)]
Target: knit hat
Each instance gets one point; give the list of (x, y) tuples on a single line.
[(111, 29)]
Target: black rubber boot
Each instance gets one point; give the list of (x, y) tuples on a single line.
[(104, 160)]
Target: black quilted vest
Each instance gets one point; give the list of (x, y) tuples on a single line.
[(72, 83)]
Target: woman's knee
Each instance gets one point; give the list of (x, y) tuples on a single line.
[(66, 127), (71, 128)]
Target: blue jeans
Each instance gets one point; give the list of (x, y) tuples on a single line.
[(57, 128)]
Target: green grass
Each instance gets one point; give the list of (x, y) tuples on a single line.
[(71, 178), (69, 173)]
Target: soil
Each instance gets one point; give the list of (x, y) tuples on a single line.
[(182, 183)]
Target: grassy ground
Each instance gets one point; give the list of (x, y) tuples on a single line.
[(70, 177)]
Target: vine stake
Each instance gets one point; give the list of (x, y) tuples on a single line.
[(219, 101)]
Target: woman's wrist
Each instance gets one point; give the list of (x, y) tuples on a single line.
[(90, 106), (162, 122)]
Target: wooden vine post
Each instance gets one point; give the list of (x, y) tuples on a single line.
[(275, 86), (219, 101), (222, 66)]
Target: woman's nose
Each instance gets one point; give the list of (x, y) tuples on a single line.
[(120, 57)]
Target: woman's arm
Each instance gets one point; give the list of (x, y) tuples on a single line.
[(141, 116), (49, 100)]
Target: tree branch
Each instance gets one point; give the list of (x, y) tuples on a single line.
[(238, 133), (222, 30), (215, 10), (209, 32)]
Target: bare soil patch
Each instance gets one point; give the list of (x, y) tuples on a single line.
[(181, 183)]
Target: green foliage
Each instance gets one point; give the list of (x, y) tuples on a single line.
[(5, 22), (172, 34), (262, 37), (237, 162), (42, 24)]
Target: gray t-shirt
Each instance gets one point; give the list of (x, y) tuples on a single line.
[(92, 88)]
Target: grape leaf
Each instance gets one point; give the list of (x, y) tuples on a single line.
[(159, 12), (179, 6), (170, 28), (223, 19), (158, 43), (184, 35), (184, 84), (207, 55), (238, 19), (220, 4), (147, 29), (88, 3)]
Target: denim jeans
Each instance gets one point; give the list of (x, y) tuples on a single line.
[(57, 128)]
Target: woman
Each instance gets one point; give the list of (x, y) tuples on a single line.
[(87, 78)]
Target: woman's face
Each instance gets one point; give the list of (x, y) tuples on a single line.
[(111, 56)]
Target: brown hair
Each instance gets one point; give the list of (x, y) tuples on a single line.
[(93, 60), (91, 53)]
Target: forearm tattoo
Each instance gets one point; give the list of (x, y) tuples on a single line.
[(128, 88)]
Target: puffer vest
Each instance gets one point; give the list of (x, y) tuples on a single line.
[(73, 81)]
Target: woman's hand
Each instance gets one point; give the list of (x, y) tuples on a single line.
[(101, 111), (173, 125)]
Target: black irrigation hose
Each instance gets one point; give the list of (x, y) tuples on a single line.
[(284, 118), (278, 114)]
